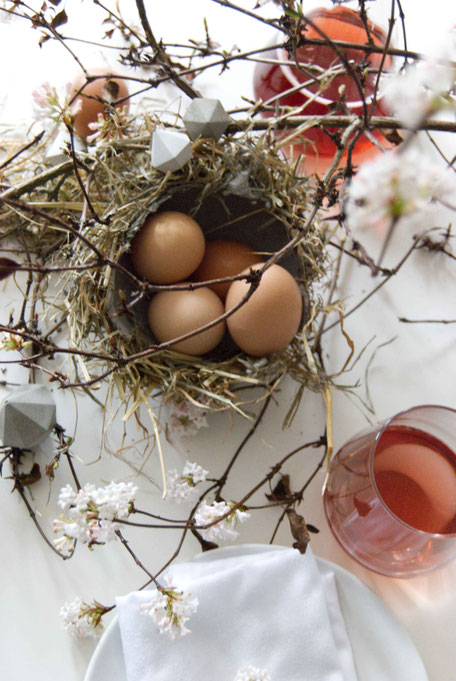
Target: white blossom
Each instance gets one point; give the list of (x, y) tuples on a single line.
[(424, 87), (170, 609), (80, 619), (13, 341), (91, 513), (110, 127), (185, 419), (183, 488), (224, 529), (67, 496), (394, 185), (52, 105), (252, 674)]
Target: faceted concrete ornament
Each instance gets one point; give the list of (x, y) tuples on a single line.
[(206, 118), (170, 150), (27, 415), (58, 151)]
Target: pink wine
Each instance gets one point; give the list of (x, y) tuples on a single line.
[(415, 476), (338, 23)]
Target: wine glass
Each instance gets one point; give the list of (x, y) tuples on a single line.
[(327, 79)]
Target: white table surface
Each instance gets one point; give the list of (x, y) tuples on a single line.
[(416, 368)]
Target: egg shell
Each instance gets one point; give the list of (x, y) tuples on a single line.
[(90, 104), (269, 320), (168, 247), (225, 258), (174, 313)]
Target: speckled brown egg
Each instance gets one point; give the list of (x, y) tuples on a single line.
[(269, 320), (168, 247), (225, 258), (94, 97), (175, 313)]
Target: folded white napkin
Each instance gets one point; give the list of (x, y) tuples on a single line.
[(270, 610)]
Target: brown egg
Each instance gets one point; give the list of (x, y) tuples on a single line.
[(174, 313), (225, 259), (168, 247), (269, 320), (108, 89)]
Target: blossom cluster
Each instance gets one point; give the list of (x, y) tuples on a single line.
[(80, 619), (182, 488), (252, 674), (395, 185), (224, 529), (91, 513), (108, 128), (424, 87), (185, 419), (53, 106), (13, 341), (170, 609)]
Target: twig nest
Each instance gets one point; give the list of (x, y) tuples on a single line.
[(108, 296)]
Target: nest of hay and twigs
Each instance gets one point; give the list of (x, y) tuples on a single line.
[(79, 219)]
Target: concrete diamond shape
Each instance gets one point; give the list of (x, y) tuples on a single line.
[(58, 151), (206, 118), (170, 150), (27, 415)]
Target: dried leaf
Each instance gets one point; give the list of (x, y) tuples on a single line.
[(43, 40), (27, 479), (60, 19), (299, 531), (281, 491), (7, 267)]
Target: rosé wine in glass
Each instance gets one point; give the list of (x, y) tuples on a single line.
[(358, 84), (390, 499)]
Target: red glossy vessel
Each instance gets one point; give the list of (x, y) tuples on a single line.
[(355, 76)]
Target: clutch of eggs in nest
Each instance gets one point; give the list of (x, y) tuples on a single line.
[(171, 249)]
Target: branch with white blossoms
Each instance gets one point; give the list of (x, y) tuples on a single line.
[(81, 619), (92, 513), (424, 87), (51, 106), (396, 185), (251, 673), (13, 341), (185, 419), (170, 609), (183, 488), (214, 530), (113, 124)]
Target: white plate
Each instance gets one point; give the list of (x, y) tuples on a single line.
[(382, 649)]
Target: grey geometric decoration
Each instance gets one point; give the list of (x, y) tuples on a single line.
[(58, 151), (206, 118), (170, 150), (27, 415)]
